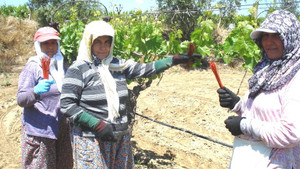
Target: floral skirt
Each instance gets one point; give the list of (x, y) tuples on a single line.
[(45, 153), (91, 152)]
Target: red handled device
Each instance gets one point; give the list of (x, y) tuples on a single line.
[(191, 50), (214, 69), (45, 66)]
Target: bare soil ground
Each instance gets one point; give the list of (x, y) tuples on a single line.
[(184, 99)]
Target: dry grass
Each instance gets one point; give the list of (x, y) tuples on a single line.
[(12, 32), (221, 34)]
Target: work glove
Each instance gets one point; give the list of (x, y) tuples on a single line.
[(43, 86), (184, 58), (227, 98), (102, 130), (105, 131), (233, 125)]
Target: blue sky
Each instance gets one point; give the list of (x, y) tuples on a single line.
[(128, 5)]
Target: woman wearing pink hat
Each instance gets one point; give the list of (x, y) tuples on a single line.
[(45, 142)]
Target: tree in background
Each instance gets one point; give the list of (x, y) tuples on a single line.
[(226, 11), (19, 12), (47, 11), (41, 10), (184, 14), (291, 6), (79, 10)]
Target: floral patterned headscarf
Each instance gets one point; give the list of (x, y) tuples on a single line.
[(273, 74)]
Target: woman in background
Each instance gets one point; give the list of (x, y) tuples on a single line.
[(45, 141), (267, 125)]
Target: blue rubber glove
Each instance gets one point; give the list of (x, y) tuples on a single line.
[(43, 86)]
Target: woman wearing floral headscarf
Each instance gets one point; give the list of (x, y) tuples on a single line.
[(45, 142), (94, 96), (267, 127)]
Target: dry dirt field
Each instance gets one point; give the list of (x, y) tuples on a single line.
[(184, 99)]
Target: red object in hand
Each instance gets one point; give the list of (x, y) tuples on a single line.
[(45, 66), (191, 50), (214, 69)]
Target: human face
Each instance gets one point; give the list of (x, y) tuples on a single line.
[(272, 45), (49, 47), (101, 46)]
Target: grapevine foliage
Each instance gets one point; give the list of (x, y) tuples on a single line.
[(71, 33), (141, 38), (145, 38), (21, 11), (239, 43)]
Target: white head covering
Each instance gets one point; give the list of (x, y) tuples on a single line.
[(57, 61), (257, 32), (91, 32)]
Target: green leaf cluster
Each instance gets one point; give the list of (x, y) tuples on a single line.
[(145, 38), (21, 11), (239, 43), (142, 39), (70, 34), (203, 38)]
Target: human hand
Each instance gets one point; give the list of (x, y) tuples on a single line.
[(105, 131), (183, 58), (43, 86), (233, 125), (227, 98)]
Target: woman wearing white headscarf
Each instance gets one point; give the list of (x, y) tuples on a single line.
[(44, 130), (267, 127), (94, 96)]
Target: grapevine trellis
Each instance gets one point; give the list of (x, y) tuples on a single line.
[(138, 38), (186, 131), (79, 1)]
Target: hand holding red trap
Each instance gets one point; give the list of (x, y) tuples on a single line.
[(45, 66), (191, 50), (214, 69)]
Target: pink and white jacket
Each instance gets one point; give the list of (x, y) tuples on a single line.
[(274, 118)]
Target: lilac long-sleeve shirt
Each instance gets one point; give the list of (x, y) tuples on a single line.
[(274, 118), (40, 115)]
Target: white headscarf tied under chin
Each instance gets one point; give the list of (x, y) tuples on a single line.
[(56, 61), (92, 31)]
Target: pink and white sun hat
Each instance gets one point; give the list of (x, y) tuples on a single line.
[(46, 33)]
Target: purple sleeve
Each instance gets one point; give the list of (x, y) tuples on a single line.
[(28, 78)]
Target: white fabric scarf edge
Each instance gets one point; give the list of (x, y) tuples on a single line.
[(58, 74), (110, 87)]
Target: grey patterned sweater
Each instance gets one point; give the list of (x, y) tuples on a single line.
[(83, 90)]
